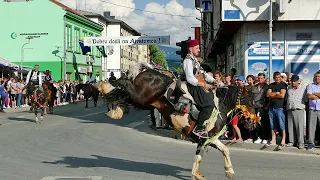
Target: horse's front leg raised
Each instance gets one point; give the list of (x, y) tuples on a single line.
[(196, 175), (227, 161)]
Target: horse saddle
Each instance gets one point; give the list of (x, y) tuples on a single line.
[(179, 96)]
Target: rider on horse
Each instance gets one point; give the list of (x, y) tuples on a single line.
[(196, 79), (48, 79), (34, 77)]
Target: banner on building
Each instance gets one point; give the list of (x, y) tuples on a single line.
[(262, 49), (262, 66), (126, 40), (303, 49), (306, 70)]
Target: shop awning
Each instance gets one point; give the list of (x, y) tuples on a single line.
[(6, 63)]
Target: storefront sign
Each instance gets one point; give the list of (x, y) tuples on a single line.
[(126, 40), (303, 49), (231, 14), (27, 35), (304, 36), (17, 0), (82, 70), (262, 49)]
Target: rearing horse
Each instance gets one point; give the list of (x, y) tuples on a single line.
[(152, 88)]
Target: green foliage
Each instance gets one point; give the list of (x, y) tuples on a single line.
[(178, 69), (157, 56)]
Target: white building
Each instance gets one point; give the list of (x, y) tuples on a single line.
[(239, 30), (119, 58)]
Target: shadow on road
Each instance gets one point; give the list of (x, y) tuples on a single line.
[(124, 165), (22, 119)]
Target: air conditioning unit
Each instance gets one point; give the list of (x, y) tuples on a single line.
[(90, 59), (281, 6)]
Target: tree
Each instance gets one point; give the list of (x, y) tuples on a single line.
[(157, 56)]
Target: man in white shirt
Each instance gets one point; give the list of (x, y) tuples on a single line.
[(35, 77), (198, 87)]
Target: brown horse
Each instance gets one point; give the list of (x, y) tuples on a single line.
[(38, 101), (51, 92), (152, 88)]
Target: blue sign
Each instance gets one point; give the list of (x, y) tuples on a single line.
[(206, 5), (262, 49), (231, 14), (306, 70), (303, 49), (262, 66)]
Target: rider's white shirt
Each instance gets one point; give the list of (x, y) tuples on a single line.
[(188, 70), (34, 77)]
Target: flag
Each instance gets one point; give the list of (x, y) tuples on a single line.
[(85, 49), (102, 50)]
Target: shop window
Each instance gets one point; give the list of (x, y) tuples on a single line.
[(69, 37), (76, 39)]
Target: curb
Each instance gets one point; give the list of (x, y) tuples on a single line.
[(250, 146)]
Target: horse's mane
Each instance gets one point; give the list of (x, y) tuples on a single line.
[(229, 95)]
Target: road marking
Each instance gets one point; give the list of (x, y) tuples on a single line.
[(134, 124), (91, 114), (72, 178)]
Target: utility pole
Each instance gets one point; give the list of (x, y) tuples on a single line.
[(22, 55), (270, 41)]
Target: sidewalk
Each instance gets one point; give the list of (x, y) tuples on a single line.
[(21, 109), (251, 146)]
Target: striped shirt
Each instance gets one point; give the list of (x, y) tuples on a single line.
[(296, 98)]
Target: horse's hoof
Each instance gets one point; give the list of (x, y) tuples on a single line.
[(37, 121), (41, 118), (230, 174), (198, 176), (86, 107)]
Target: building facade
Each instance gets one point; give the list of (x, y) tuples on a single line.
[(240, 33), (119, 58), (54, 31)]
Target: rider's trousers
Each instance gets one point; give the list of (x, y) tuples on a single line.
[(204, 102)]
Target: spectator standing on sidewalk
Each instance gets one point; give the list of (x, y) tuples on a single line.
[(260, 104), (296, 112), (276, 94), (313, 93), (3, 96)]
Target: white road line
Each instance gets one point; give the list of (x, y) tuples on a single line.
[(134, 124), (91, 114), (72, 177)]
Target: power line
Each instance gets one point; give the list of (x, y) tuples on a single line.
[(165, 23), (167, 14)]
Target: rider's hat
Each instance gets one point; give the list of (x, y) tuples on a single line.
[(193, 43)]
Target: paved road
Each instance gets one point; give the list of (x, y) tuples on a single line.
[(79, 142)]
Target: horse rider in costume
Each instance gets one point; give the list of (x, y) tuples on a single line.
[(197, 85), (48, 78), (35, 77)]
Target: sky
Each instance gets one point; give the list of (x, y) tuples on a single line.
[(154, 17)]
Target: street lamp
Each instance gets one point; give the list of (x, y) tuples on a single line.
[(22, 55)]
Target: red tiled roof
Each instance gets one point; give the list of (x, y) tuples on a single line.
[(72, 11)]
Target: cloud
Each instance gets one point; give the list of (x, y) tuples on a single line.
[(99, 6), (147, 23)]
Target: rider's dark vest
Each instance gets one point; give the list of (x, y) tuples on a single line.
[(47, 78), (36, 82), (196, 66)]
